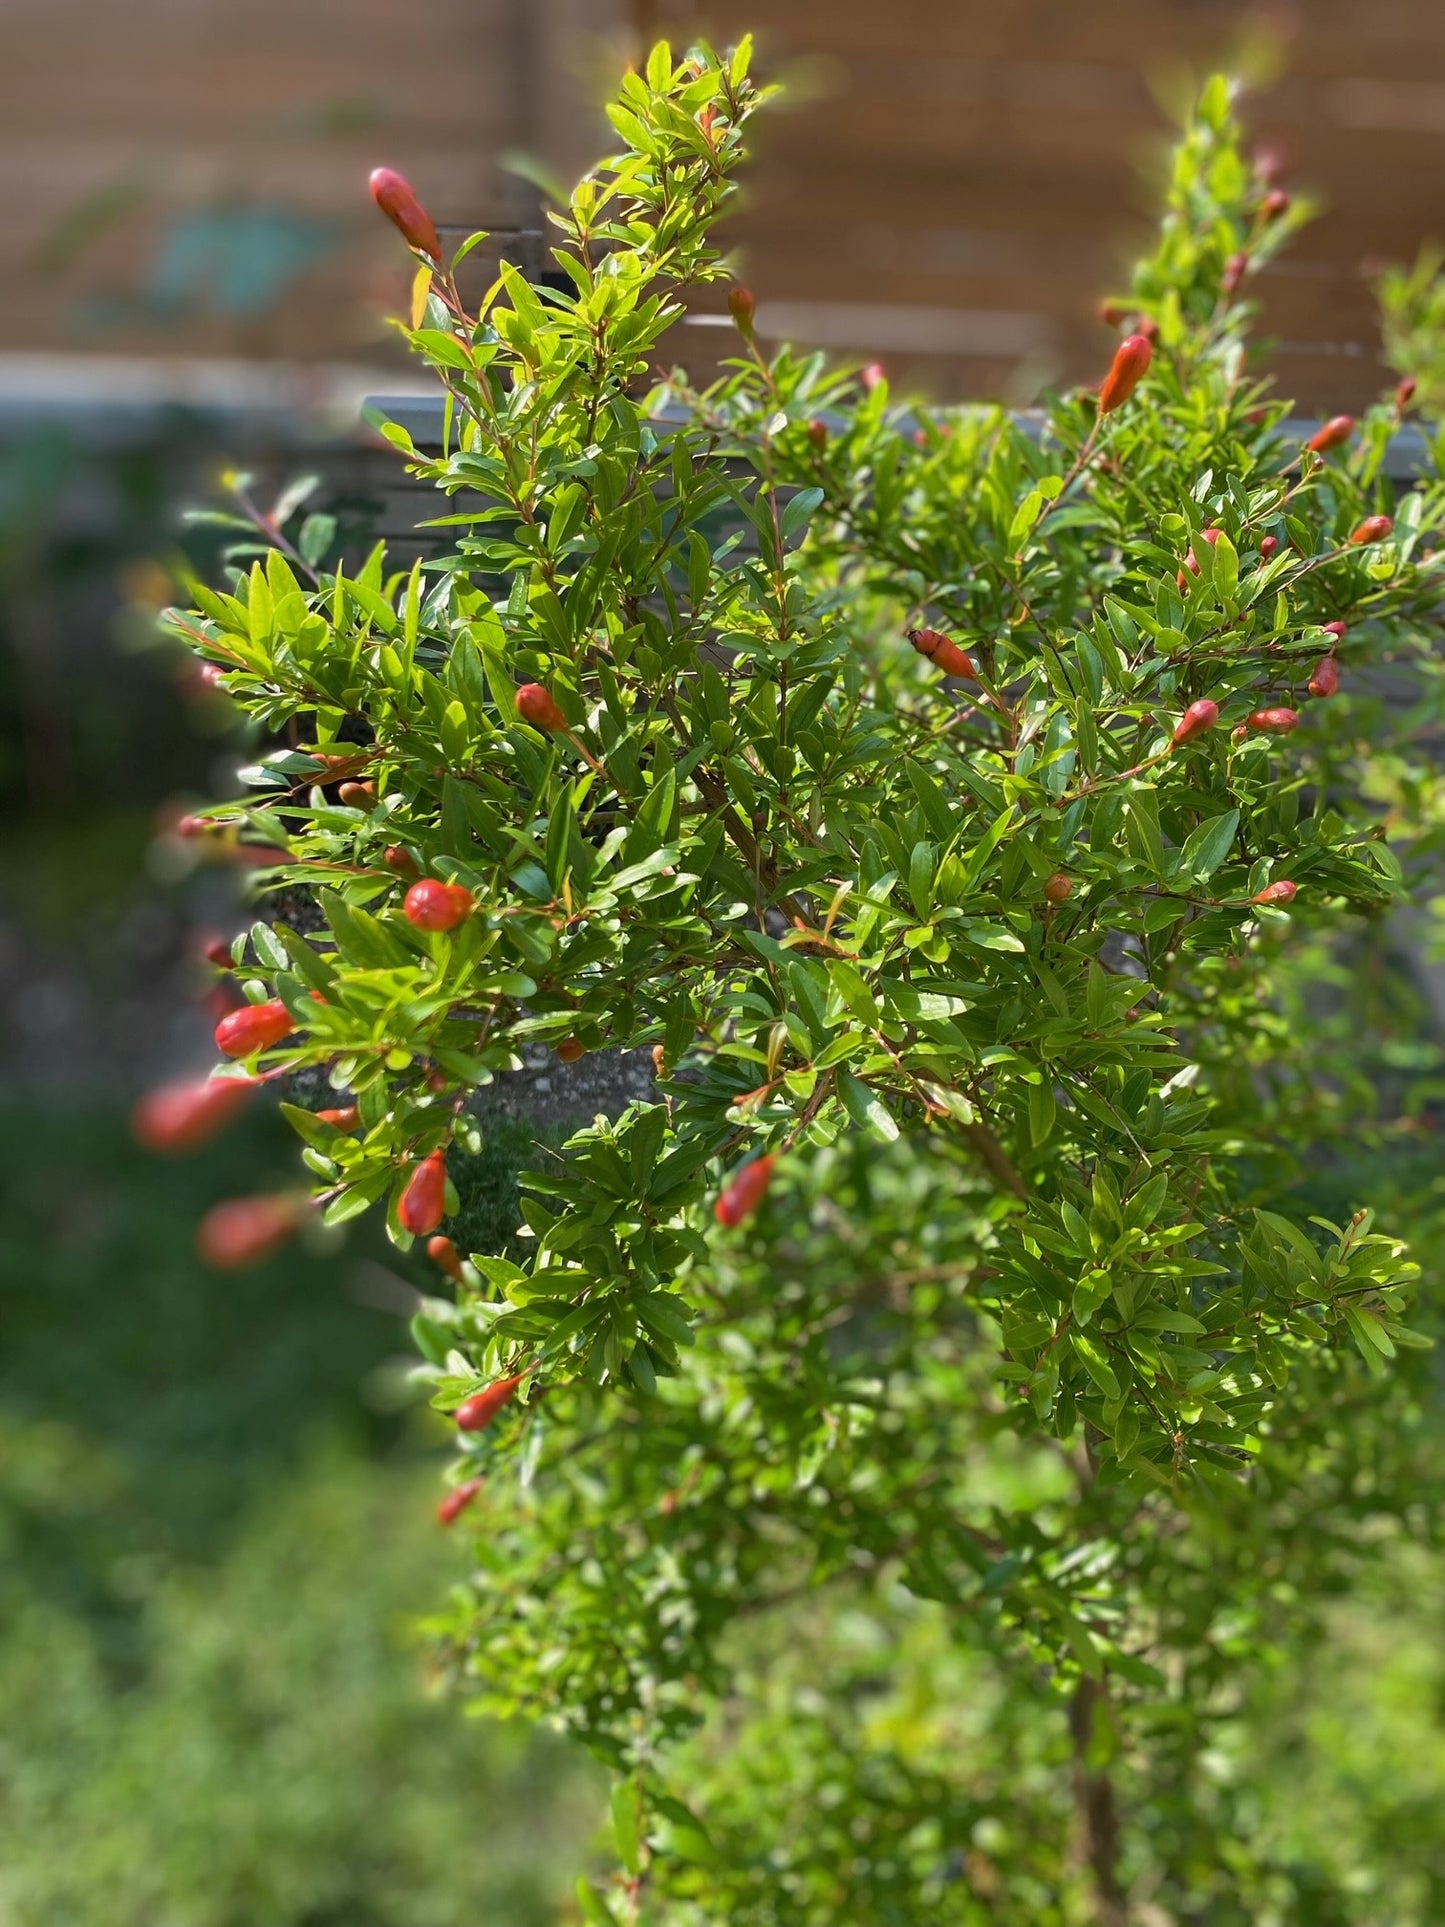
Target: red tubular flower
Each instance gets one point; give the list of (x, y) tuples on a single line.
[(1268, 547), (741, 1197), (394, 195), (253, 1027), (1326, 677), (1374, 528), (1131, 364), (244, 1231), (952, 660), (742, 306), (445, 1256), (455, 1502), (423, 1204), (1279, 721), (1282, 892), (536, 705), (474, 1414), (430, 905), (345, 1119), (180, 1117), (1336, 430), (1059, 887), (1195, 720)]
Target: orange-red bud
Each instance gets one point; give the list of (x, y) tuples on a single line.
[(244, 1231), (537, 706), (430, 905), (1405, 392), (1282, 892), (346, 1118), (1268, 547), (455, 1502), (1336, 430), (741, 1197), (1274, 204), (1235, 269), (1110, 313), (1374, 528), (445, 1256), (1131, 363), (478, 1411), (1339, 630), (400, 860), (742, 306), (396, 198), (1059, 887), (253, 1027), (1279, 721), (423, 1204), (570, 1049), (1326, 677), (1195, 720), (946, 655), (818, 433), (180, 1117), (359, 796), (218, 952)]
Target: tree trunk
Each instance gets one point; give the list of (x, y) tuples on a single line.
[(1098, 1814)]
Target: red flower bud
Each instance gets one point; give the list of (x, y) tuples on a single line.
[(1337, 429), (1111, 314), (1339, 630), (1059, 887), (1255, 416), (1268, 547), (1326, 677), (423, 1204), (1275, 203), (398, 859), (1405, 392), (359, 796), (189, 826), (742, 306), (430, 905), (1282, 892), (952, 660), (244, 1231), (818, 433), (570, 1049), (1195, 720), (474, 1414), (218, 952), (394, 195), (253, 1027), (741, 1197), (445, 1256), (1374, 528), (1191, 560), (455, 1502), (212, 674), (345, 1119), (1279, 721), (1131, 363), (535, 705), (1235, 269), (185, 1115), (873, 376)]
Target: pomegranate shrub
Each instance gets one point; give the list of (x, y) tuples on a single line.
[(937, 795)]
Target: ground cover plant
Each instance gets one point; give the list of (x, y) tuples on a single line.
[(892, 1445)]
